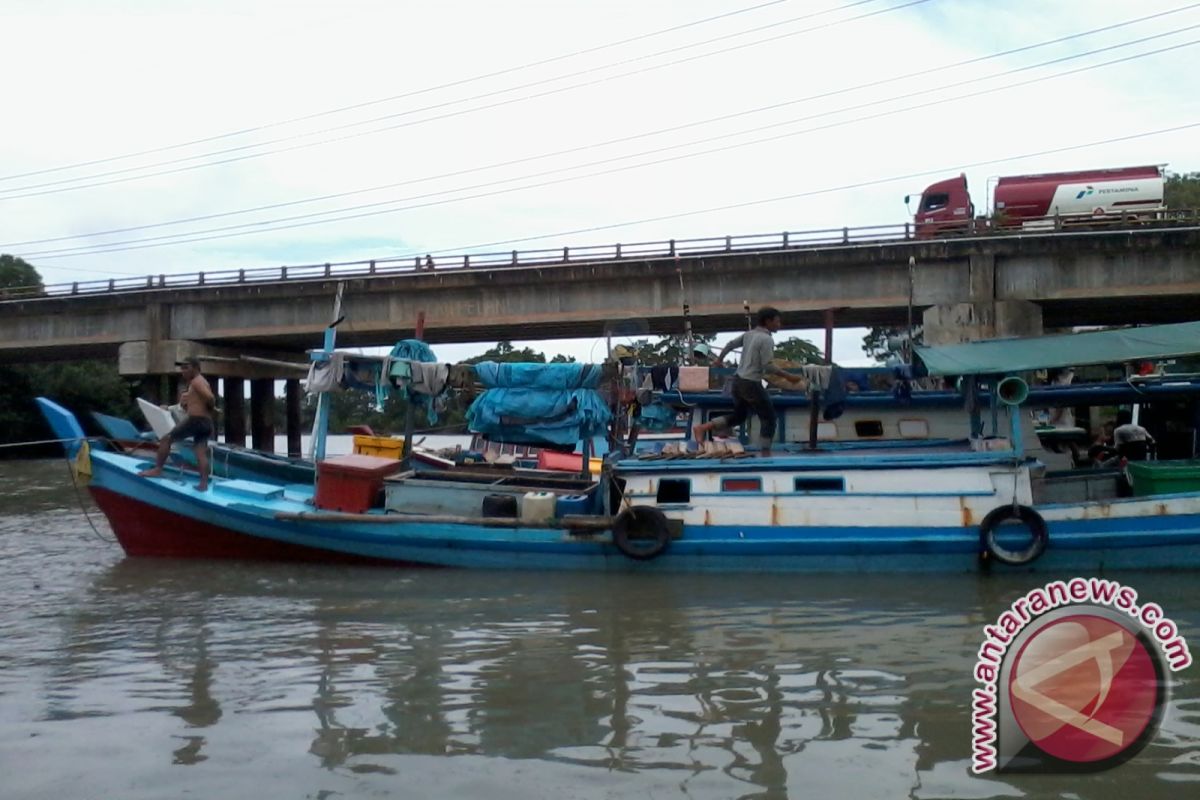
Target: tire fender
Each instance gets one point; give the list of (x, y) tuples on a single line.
[(1033, 522), (641, 533)]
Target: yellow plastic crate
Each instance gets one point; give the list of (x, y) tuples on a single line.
[(382, 446)]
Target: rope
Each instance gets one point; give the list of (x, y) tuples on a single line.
[(83, 505), (42, 441)]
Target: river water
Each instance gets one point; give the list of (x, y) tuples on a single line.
[(137, 678)]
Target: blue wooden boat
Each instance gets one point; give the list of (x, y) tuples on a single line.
[(979, 502)]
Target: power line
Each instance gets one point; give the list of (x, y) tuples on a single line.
[(193, 236), (448, 115), (780, 198), (811, 193), (426, 90), (273, 225), (660, 131)]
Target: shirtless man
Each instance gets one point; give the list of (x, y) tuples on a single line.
[(198, 401)]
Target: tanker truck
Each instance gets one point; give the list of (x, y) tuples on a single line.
[(1051, 201)]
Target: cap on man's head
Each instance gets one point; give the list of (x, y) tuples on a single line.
[(190, 361)]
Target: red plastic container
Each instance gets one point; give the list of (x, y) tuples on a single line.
[(351, 483)]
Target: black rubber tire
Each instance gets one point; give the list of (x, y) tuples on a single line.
[(641, 533), (1031, 519)]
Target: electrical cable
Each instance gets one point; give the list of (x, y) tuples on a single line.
[(64, 188), (724, 117), (392, 98), (270, 225), (764, 201), (812, 193)]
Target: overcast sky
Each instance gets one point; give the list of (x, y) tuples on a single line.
[(371, 100)]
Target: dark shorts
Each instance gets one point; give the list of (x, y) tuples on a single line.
[(198, 429), (750, 396)]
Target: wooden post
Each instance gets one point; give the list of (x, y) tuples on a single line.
[(262, 415), (292, 399), (829, 337), (409, 414), (586, 448), (815, 411), (235, 411)]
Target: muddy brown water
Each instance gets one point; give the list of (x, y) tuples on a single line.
[(140, 678)]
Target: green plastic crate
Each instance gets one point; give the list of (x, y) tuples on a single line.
[(1164, 477)]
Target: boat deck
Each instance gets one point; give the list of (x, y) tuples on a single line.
[(828, 455)]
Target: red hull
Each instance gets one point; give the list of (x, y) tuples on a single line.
[(145, 530)]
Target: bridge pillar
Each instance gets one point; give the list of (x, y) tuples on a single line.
[(262, 415), (292, 397), (968, 322), (235, 411), (982, 316)]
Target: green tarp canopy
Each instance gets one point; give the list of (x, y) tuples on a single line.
[(1002, 356)]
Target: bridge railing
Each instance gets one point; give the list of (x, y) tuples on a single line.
[(671, 248)]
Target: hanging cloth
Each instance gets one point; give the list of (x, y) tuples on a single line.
[(325, 376), (418, 352)]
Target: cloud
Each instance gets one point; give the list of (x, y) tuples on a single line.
[(136, 76)]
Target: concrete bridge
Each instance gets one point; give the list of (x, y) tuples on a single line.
[(962, 288)]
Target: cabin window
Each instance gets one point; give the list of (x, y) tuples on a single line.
[(935, 202), (827, 431), (673, 490), (741, 484), (914, 429), (868, 428), (820, 484)]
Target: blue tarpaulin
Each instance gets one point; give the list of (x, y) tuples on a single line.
[(554, 404), (495, 375)]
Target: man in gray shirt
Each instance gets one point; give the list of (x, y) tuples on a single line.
[(758, 348), (1130, 439)]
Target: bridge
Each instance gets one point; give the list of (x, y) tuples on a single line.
[(996, 284)]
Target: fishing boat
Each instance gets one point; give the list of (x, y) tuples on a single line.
[(979, 502)]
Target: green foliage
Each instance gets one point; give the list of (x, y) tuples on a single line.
[(1183, 190), (801, 351), (358, 408), (19, 420), (81, 386), (17, 273), (504, 352), (875, 343), (671, 349)]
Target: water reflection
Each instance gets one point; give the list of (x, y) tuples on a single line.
[(696, 678), (355, 681)]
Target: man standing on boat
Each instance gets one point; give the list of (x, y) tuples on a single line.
[(198, 401), (1131, 440), (758, 348)]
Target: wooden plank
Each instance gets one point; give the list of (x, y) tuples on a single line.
[(575, 522)]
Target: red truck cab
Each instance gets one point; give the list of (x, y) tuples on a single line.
[(945, 207)]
